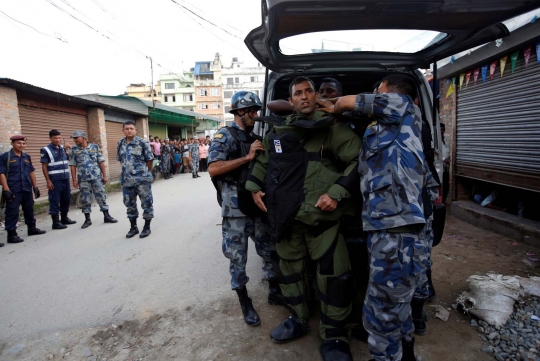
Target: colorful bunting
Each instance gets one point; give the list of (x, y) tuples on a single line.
[(503, 64), (461, 78), (467, 78), (514, 58), (484, 73), (454, 80), (527, 54), (451, 89), (492, 68), (476, 72)]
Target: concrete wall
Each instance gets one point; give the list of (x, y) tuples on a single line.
[(97, 133), (10, 124)]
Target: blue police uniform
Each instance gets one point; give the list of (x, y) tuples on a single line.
[(58, 169), (20, 184)]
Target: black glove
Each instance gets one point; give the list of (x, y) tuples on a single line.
[(37, 192), (8, 195)]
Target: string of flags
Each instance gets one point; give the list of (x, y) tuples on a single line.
[(482, 71)]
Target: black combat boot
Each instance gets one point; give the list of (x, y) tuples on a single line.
[(64, 219), (408, 349), (275, 298), (56, 224), (87, 221), (107, 218), (197, 174), (417, 312), (1, 244), (166, 176), (146, 229), (193, 175), (250, 315), (432, 293), (34, 231), (335, 350), (13, 237), (133, 230), (289, 330)]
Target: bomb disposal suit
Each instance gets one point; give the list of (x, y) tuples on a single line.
[(303, 160)]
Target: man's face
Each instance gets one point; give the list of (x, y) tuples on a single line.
[(196, 140), (129, 130), (328, 91), (303, 98), (249, 115), (18, 145), (56, 140), (383, 88), (78, 140)]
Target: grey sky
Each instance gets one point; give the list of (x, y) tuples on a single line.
[(89, 62)]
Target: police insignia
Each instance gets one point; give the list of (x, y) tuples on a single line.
[(218, 136), (277, 145), (41, 155)]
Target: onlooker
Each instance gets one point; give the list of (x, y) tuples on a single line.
[(18, 179), (156, 147), (186, 155), (177, 159), (203, 155), (194, 151)]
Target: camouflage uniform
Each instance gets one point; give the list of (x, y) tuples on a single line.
[(89, 175), (166, 151), (136, 179), (194, 149), (392, 177), (236, 226)]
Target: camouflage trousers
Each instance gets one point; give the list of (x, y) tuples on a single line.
[(422, 284), (396, 261), (93, 189), (326, 246), (166, 164), (144, 191), (236, 231), (195, 165)]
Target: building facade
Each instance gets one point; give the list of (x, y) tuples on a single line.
[(208, 87), (143, 91), (237, 77), (178, 90)]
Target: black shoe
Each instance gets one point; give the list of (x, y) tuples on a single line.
[(250, 315), (359, 333), (408, 350), (197, 174), (417, 312), (193, 175), (87, 221), (13, 237), (34, 231), (56, 224), (1, 245), (133, 230), (289, 330), (335, 350), (64, 219), (146, 229), (275, 298), (432, 293), (107, 218)]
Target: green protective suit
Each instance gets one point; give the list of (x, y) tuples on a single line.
[(314, 233)]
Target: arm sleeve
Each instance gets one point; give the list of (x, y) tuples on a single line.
[(100, 158), (391, 106), (31, 165), (44, 156), (118, 147), (220, 147), (72, 158), (345, 145), (257, 175), (3, 163), (148, 155)]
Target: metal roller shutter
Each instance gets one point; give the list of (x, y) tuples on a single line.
[(114, 133), (498, 132), (36, 124)]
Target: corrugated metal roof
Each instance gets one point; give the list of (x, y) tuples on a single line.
[(180, 111), (120, 101)]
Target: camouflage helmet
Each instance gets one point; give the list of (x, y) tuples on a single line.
[(244, 99)]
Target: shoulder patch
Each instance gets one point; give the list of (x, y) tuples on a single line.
[(218, 136)]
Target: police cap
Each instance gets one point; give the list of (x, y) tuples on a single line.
[(79, 133), (18, 137)]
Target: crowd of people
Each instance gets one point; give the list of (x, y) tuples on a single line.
[(336, 206)]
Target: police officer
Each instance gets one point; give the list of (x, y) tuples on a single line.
[(88, 173), (306, 175), (136, 178), (166, 154), (18, 179), (393, 175), (54, 163), (230, 154), (194, 151)]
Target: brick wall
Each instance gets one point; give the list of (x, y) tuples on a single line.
[(142, 127), (9, 117), (97, 133), (447, 115)]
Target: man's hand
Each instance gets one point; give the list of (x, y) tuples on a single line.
[(37, 193), (325, 106), (326, 204), (257, 198), (50, 185), (255, 146), (8, 195), (104, 179), (75, 184)]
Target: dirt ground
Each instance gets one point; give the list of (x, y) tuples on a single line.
[(214, 329)]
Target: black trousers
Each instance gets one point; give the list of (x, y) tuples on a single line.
[(24, 199), (59, 197)]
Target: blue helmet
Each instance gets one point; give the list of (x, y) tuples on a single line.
[(244, 99)]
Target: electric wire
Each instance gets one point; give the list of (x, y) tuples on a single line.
[(31, 27), (232, 27)]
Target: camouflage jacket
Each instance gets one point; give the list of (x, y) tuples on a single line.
[(133, 156), (87, 161), (194, 150), (392, 167), (221, 147)]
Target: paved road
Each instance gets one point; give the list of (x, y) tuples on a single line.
[(73, 278)]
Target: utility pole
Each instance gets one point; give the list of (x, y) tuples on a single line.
[(152, 84)]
